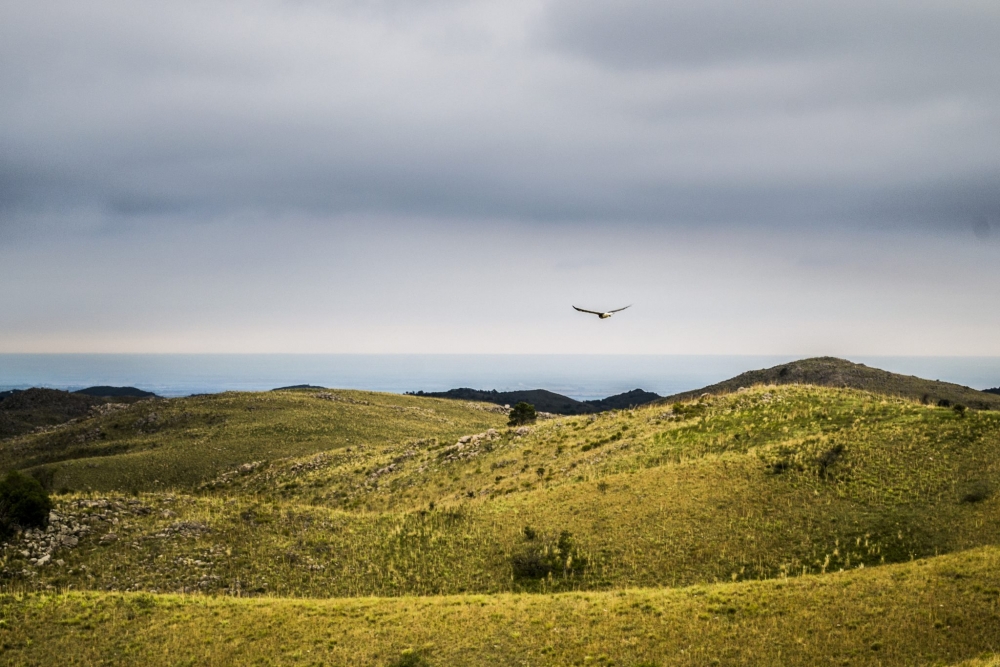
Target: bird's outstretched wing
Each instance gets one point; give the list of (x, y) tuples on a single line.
[(592, 312), (618, 310)]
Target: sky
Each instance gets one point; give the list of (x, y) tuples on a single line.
[(777, 177)]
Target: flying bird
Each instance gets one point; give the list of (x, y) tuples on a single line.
[(601, 315)]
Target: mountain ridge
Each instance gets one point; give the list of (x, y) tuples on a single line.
[(835, 372), (548, 401)]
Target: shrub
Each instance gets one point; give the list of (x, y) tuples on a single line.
[(540, 559), (828, 458), (944, 403), (23, 504), (975, 492), (959, 408), (522, 413), (45, 475), (410, 658)]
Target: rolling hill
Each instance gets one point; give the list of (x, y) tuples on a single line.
[(547, 401), (833, 372), (787, 524)]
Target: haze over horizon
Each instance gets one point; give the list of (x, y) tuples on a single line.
[(452, 176)]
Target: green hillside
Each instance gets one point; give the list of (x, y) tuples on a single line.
[(628, 534), (833, 372), (936, 612), (25, 411), (764, 483), (177, 443)]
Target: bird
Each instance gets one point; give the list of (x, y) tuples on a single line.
[(601, 315)]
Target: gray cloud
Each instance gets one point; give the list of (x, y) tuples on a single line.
[(634, 33), (377, 176), (665, 112)]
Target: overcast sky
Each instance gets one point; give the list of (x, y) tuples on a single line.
[(776, 177)]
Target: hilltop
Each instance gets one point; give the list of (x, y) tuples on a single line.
[(547, 401), (116, 392), (24, 410), (833, 372)]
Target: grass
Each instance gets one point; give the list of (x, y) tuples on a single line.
[(175, 444), (741, 528), (937, 611), (768, 483), (833, 372)]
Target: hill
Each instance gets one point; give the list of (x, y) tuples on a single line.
[(178, 443), (116, 392), (23, 411), (833, 372), (935, 612), (789, 524), (769, 482), (547, 401), (995, 390)]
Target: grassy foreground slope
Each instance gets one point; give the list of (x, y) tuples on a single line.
[(769, 482), (929, 612), (177, 443), (833, 372)]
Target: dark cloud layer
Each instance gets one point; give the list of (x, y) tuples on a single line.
[(771, 177), (666, 112)]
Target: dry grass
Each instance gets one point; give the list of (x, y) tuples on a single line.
[(779, 525), (927, 612)]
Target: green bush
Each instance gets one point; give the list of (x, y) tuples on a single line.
[(523, 413), (23, 504), (538, 560)]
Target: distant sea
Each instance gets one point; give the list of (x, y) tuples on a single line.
[(578, 376)]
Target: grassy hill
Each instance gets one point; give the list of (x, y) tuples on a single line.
[(935, 612), (23, 411), (787, 524), (833, 372), (178, 443), (764, 483)]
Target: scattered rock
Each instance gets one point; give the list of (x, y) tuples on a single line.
[(108, 408), (315, 463), (227, 477)]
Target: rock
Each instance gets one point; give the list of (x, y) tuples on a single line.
[(108, 538), (43, 560)]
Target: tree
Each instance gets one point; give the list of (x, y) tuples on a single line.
[(523, 413), (23, 504)]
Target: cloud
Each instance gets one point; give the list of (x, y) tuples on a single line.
[(634, 33), (379, 176), (664, 112)]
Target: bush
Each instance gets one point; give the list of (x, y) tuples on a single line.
[(828, 458), (523, 413), (23, 504), (538, 560), (975, 492)]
